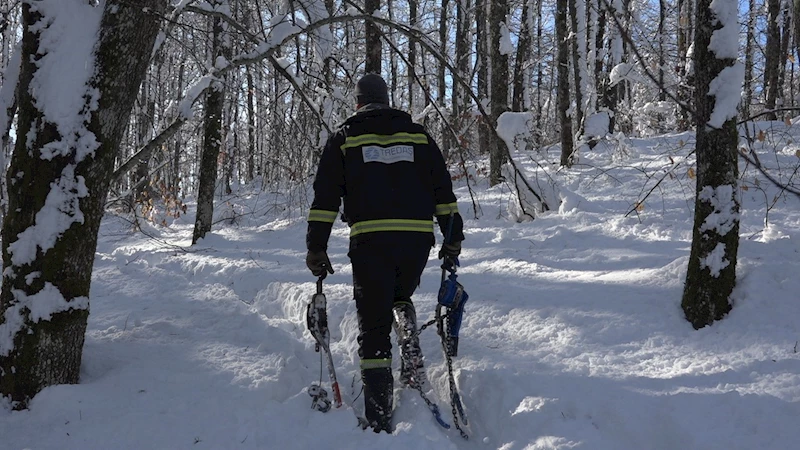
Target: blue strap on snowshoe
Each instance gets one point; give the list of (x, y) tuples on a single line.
[(438, 416), (453, 297)]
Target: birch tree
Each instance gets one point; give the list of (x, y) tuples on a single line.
[(81, 68)]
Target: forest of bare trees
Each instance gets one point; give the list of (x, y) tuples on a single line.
[(243, 92)]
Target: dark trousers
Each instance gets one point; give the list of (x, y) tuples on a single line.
[(386, 270)]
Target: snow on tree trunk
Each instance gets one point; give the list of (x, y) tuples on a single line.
[(711, 274), (81, 68)]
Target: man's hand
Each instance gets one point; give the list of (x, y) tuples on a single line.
[(452, 250), (318, 263), (450, 254)]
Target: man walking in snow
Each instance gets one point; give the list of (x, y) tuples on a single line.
[(393, 179)]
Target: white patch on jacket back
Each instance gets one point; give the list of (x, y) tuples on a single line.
[(388, 155)]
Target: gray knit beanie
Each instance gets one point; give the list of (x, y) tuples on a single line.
[(371, 88)]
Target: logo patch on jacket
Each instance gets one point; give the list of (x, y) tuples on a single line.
[(388, 155)]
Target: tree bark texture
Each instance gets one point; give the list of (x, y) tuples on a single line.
[(482, 57), (577, 62), (441, 83), (412, 54), (749, 57), (212, 142), (463, 44), (562, 94), (48, 352), (684, 78), (373, 39), (772, 57), (708, 283), (498, 12), (523, 50)]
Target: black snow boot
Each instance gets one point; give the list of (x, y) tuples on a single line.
[(412, 369), (378, 384)]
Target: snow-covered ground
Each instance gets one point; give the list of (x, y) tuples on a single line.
[(573, 336)]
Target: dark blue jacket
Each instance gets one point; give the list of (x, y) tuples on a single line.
[(391, 175)]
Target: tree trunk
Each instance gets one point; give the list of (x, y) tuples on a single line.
[(539, 135), (463, 43), (784, 53), (600, 52), (562, 94), (52, 276), (796, 16), (499, 79), (612, 94), (212, 142), (662, 44), (251, 126), (393, 65), (577, 10), (441, 82), (412, 54), (482, 61), (772, 57), (684, 79), (592, 22), (711, 274), (523, 50), (749, 57), (373, 39)]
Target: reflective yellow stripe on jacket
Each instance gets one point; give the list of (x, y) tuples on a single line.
[(321, 215), (383, 139), (445, 209), (371, 226), (375, 363)]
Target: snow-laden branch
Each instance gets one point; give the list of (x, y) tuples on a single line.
[(642, 61), (283, 31)]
